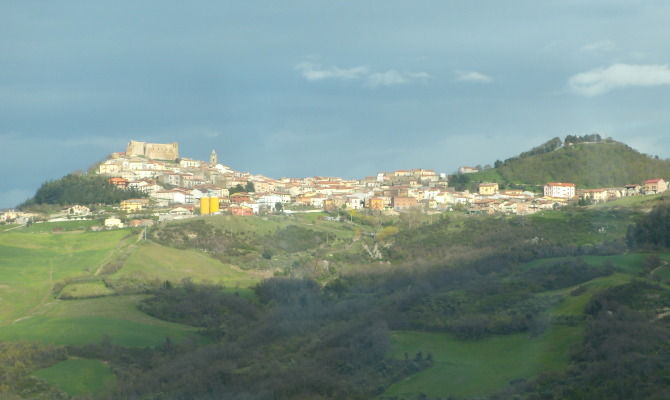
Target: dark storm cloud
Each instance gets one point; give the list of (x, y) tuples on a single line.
[(299, 88)]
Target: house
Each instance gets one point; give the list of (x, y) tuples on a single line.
[(633, 189), (355, 202), (488, 189), (269, 201), (377, 203), (317, 201), (189, 163), (173, 196), (403, 203), (182, 210), (109, 168), (240, 197), (241, 211), (560, 190), (119, 182), (468, 170), (113, 222), (132, 205), (653, 186), (78, 211), (134, 223), (594, 195)]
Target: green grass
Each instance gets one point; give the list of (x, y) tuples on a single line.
[(78, 377), (575, 305), (582, 227), (6, 227), (268, 225), (30, 263), (85, 290), (155, 262), (641, 201), (475, 368), (64, 225), (75, 322)]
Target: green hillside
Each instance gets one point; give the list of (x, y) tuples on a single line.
[(457, 305), (603, 163)]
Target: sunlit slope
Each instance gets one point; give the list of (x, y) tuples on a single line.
[(54, 287), (30, 264), (151, 261), (75, 322)]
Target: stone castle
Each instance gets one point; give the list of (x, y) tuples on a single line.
[(156, 151)]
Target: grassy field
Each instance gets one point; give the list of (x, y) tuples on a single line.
[(582, 227), (152, 261), (85, 290), (270, 224), (88, 321), (640, 202), (473, 368), (32, 262), (78, 377), (64, 226)]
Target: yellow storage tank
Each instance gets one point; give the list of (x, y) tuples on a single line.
[(204, 206), (213, 205)]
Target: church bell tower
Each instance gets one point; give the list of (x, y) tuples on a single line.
[(213, 159)]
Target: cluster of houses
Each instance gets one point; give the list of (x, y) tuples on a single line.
[(178, 186), (555, 194)]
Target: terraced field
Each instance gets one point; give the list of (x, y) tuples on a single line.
[(53, 290)]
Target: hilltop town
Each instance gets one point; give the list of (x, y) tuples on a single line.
[(178, 187)]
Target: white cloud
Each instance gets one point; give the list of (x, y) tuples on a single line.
[(602, 80), (393, 77), (316, 72), (473, 76), (599, 47)]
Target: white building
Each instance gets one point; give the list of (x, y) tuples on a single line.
[(113, 222), (559, 190)]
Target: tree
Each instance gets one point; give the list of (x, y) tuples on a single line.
[(236, 189), (279, 207), (249, 187)]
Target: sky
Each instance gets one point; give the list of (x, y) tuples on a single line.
[(332, 88)]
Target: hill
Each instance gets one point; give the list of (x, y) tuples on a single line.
[(80, 189), (455, 305), (589, 164)]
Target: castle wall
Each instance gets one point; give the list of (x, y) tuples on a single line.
[(135, 148), (157, 151)]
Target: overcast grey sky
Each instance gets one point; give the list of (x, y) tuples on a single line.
[(315, 87)]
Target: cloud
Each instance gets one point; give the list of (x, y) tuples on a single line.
[(599, 47), (316, 72), (393, 77), (473, 76), (602, 80)]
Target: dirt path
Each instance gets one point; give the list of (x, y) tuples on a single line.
[(124, 248)]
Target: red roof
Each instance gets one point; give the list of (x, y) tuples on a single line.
[(653, 180)]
